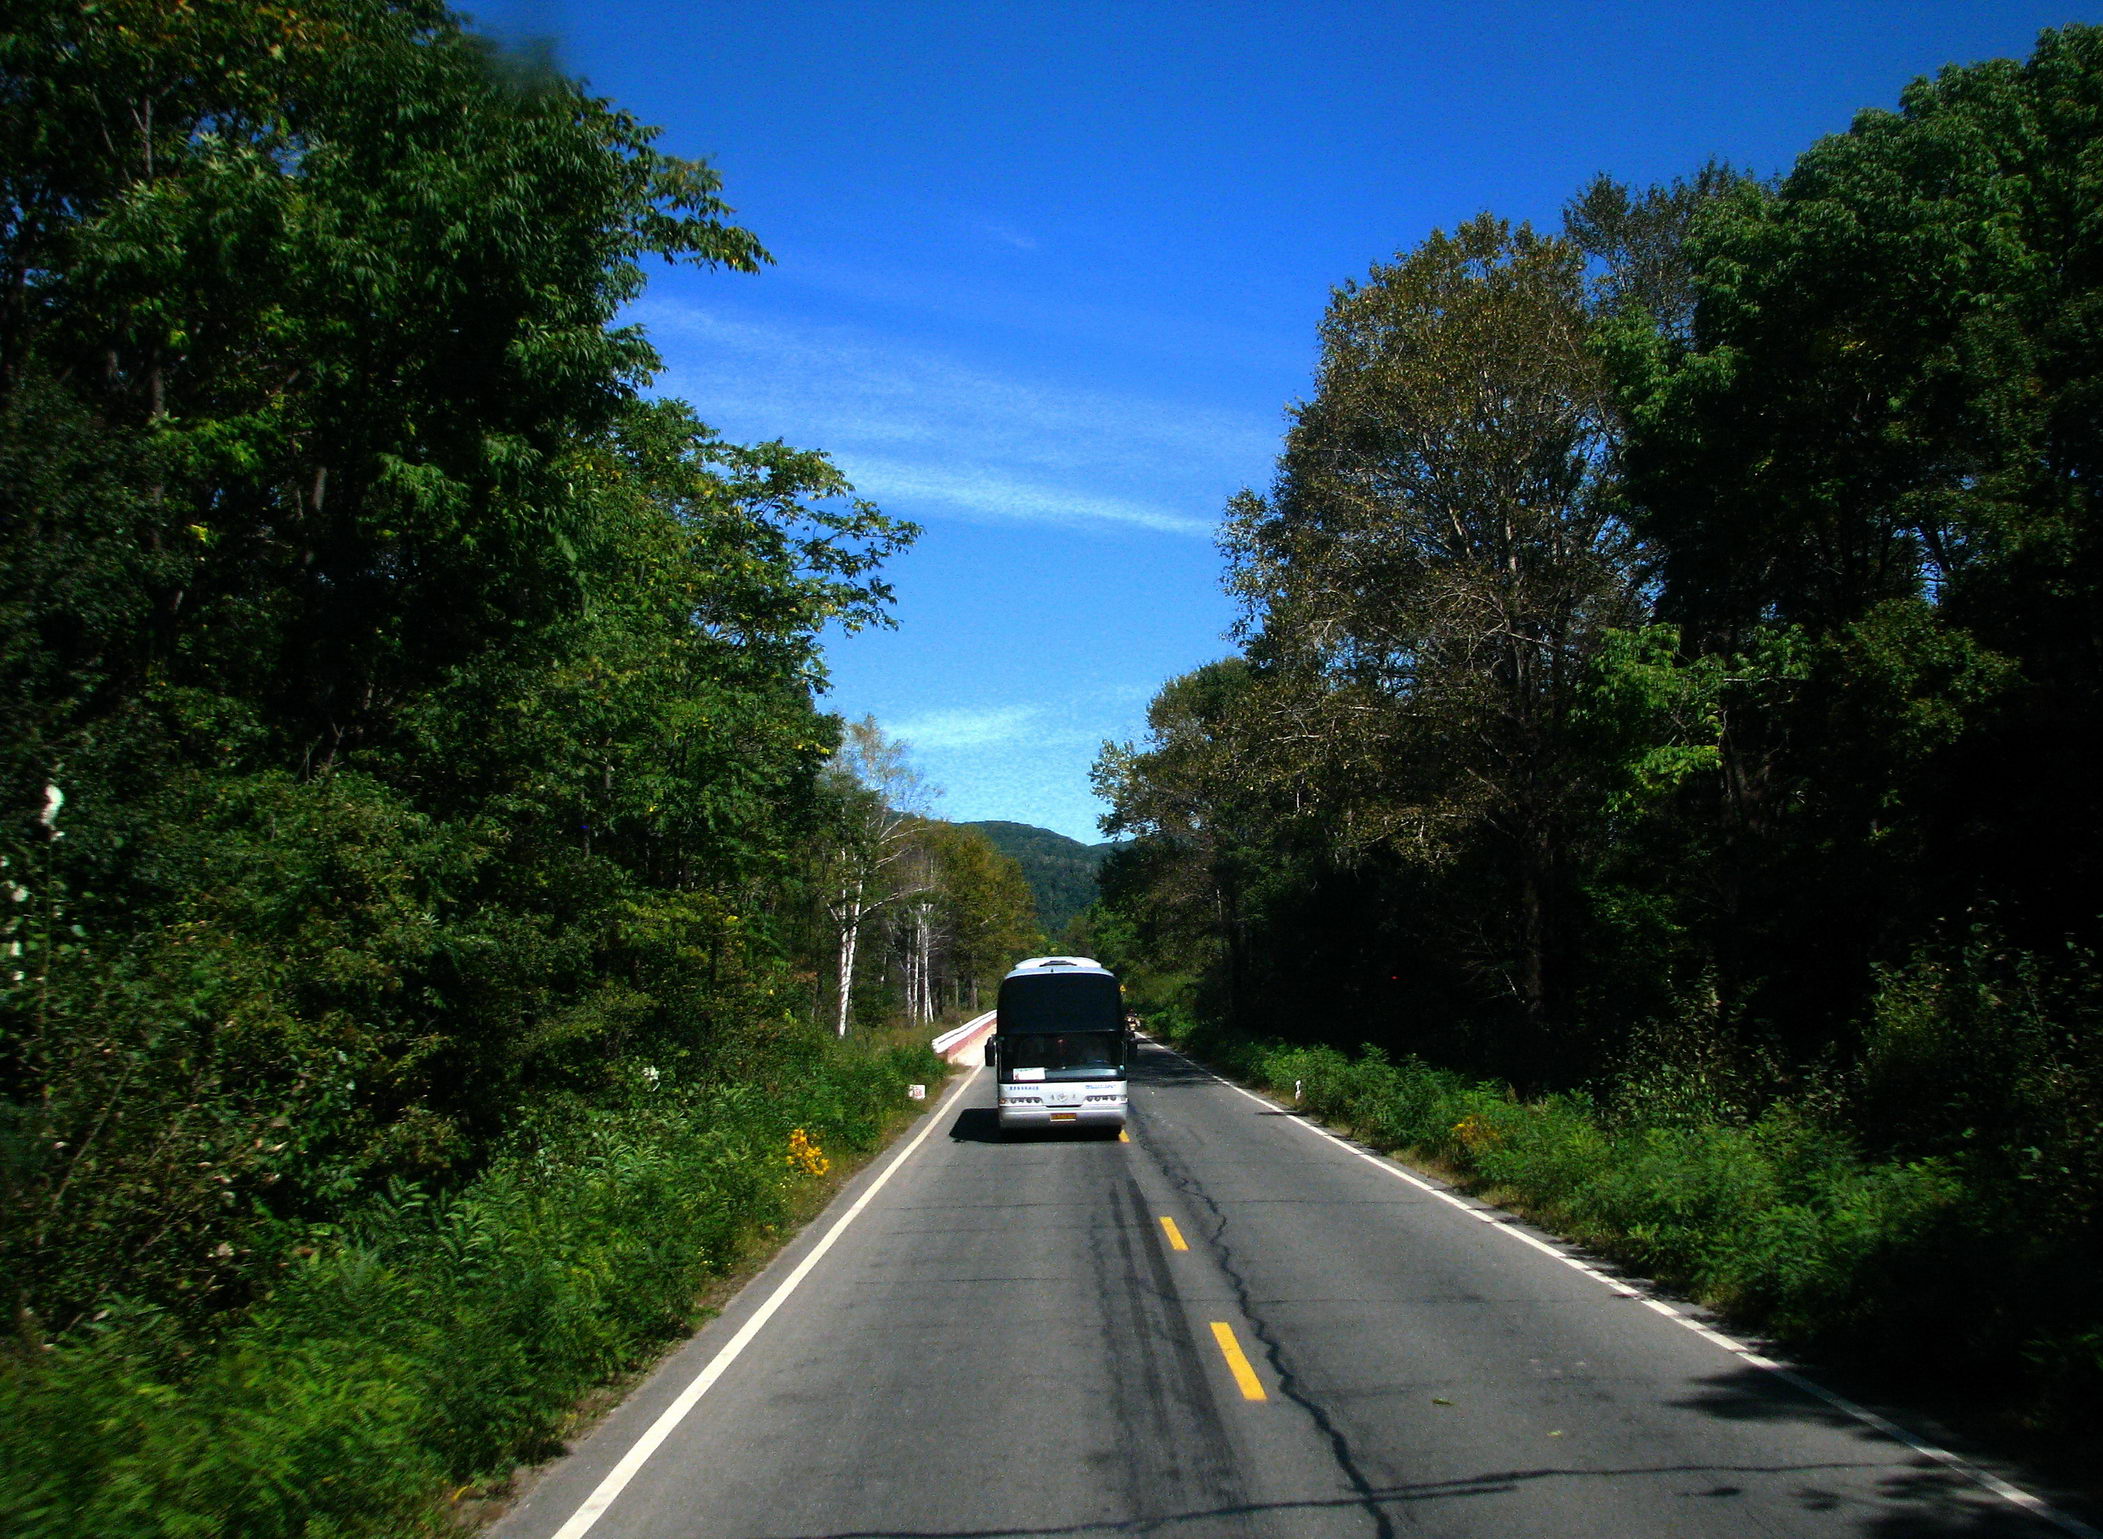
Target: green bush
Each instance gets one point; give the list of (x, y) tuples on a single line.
[(1781, 1221), (430, 1340)]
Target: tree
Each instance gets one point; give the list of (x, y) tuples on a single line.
[(433, 715), (1878, 451), (878, 797), (1440, 554), (300, 269), (1637, 237), (986, 916), (1196, 804)]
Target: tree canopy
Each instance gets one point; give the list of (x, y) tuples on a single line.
[(410, 722)]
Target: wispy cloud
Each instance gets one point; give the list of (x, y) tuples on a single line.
[(993, 727), (983, 491), (914, 426), (1007, 236), (1015, 759)]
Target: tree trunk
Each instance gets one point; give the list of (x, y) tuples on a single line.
[(850, 921)]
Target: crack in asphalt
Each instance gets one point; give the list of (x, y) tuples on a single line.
[(1489, 1483), (1366, 1495)]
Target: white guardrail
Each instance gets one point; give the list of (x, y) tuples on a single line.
[(966, 1044)]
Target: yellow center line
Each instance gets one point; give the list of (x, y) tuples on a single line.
[(1175, 1235), (1237, 1360), (1123, 1137)]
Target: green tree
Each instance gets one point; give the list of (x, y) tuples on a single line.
[(1195, 804), (870, 861), (1637, 240), (966, 918), (432, 716), (1880, 441), (1438, 559)]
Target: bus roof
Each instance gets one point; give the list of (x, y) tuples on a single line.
[(1035, 966)]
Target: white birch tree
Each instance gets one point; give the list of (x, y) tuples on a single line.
[(881, 797)]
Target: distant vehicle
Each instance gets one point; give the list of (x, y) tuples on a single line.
[(1058, 1045)]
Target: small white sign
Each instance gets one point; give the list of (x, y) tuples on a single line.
[(1029, 1074), (916, 1092)]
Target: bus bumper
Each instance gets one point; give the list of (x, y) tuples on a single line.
[(1024, 1118)]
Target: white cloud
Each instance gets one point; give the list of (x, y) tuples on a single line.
[(917, 425), (998, 726), (989, 493), (1026, 761)]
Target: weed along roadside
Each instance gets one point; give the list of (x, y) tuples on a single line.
[(398, 1379), (1777, 1225), (815, 1172)]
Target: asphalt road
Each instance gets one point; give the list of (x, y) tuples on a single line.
[(1006, 1340)]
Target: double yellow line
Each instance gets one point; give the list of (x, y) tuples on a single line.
[(1229, 1347)]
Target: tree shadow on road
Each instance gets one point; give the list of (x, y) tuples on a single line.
[(1909, 1504), (1918, 1495)]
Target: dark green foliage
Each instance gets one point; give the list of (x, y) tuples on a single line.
[(1746, 792), (1061, 872), (406, 721)]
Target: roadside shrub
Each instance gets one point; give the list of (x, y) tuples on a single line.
[(1784, 1222), (429, 1340)]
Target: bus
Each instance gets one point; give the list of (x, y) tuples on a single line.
[(1058, 1046)]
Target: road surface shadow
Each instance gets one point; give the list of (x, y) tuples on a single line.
[(1753, 1394), (1921, 1496), (1163, 1068), (977, 1125), (1909, 1504), (981, 1125)]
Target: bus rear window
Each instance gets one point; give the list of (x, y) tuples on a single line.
[(1073, 1052), (1053, 1002)]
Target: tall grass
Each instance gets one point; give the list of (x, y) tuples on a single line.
[(430, 1341)]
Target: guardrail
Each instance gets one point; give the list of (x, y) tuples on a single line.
[(966, 1043)]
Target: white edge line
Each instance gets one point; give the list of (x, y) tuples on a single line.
[(2035, 1505), (618, 1477)]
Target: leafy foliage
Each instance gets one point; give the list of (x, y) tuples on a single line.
[(432, 1337), (411, 779), (945, 912), (1778, 1219)]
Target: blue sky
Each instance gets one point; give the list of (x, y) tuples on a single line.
[(1049, 274)]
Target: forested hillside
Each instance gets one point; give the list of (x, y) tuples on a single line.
[(1666, 652), (1061, 872), (424, 850)]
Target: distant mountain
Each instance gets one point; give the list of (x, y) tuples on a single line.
[(1061, 871)]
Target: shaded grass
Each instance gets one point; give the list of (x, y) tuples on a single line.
[(431, 1341)]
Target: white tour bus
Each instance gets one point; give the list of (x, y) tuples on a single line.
[(1058, 1046)]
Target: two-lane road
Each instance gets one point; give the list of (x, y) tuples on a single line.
[(1228, 1325)]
